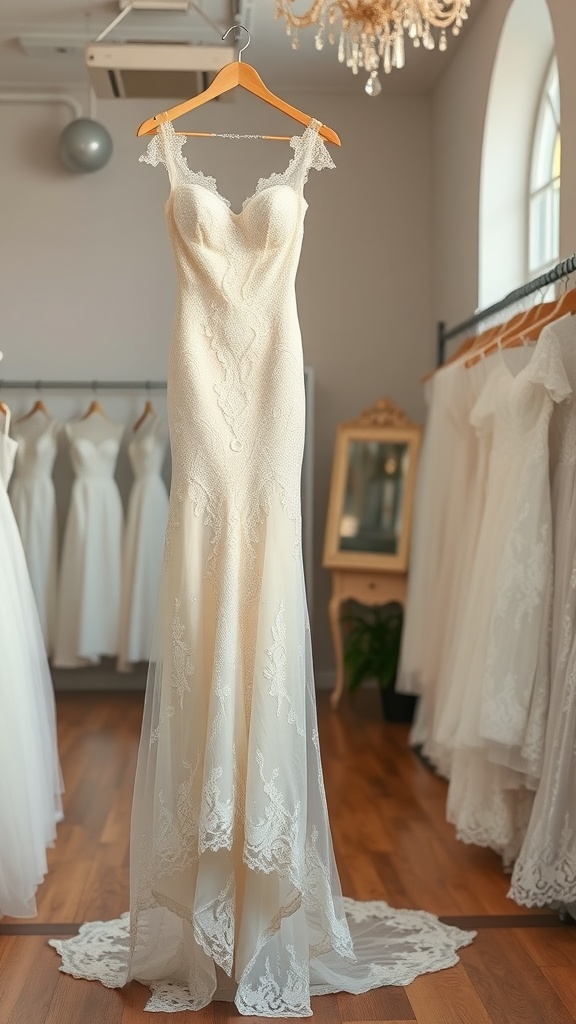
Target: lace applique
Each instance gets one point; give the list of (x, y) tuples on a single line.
[(217, 819), (166, 148), (176, 843), (271, 841), (166, 714), (182, 667), (275, 673), (270, 997), (310, 152), (214, 926)]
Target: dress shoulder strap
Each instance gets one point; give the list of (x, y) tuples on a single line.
[(166, 148)]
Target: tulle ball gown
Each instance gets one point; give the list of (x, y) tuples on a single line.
[(234, 889)]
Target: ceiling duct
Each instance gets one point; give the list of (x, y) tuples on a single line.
[(148, 70)]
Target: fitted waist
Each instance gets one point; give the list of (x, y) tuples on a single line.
[(32, 475)]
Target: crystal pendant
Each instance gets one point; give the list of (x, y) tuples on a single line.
[(373, 86)]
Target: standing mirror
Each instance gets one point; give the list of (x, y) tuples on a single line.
[(371, 492)]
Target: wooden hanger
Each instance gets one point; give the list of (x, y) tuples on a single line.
[(148, 411), (230, 77), (94, 407), (5, 410), (562, 307), (37, 407)]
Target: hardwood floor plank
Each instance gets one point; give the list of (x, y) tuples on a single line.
[(84, 1002), (554, 947), (16, 963), (38, 988), (508, 982), (563, 981), (381, 1004), (448, 997)]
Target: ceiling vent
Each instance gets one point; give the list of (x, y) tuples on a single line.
[(148, 70)]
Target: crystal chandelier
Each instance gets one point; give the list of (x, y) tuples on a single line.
[(371, 33)]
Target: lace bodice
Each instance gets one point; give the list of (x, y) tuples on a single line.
[(309, 152)]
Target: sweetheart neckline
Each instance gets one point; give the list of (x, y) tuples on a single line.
[(226, 202), (262, 185)]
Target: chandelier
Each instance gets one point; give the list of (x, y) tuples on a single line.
[(371, 33)]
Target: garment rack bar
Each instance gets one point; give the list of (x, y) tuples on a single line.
[(561, 270), (84, 385)]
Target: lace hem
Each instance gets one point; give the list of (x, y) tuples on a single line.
[(403, 945)]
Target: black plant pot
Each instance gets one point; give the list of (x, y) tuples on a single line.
[(397, 707)]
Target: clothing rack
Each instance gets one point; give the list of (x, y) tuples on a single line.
[(84, 385), (561, 270)]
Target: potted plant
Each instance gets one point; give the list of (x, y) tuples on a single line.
[(372, 651)]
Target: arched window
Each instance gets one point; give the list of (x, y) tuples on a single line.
[(544, 192)]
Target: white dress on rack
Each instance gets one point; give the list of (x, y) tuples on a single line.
[(91, 565), (234, 889), (503, 644), (545, 870), (30, 779), (143, 543), (34, 503)]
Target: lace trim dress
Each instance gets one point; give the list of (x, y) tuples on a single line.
[(502, 647), (234, 889), (545, 870)]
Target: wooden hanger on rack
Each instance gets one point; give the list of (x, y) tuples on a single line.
[(148, 411), (37, 407), (230, 77), (526, 327), (93, 408)]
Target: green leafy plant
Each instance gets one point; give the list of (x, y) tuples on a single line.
[(372, 645)]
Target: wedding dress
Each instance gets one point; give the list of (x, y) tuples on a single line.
[(503, 644), (30, 779), (34, 502), (91, 566), (545, 870), (143, 543), (234, 888)]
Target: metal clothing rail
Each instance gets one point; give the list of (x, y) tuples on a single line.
[(85, 385), (561, 270)]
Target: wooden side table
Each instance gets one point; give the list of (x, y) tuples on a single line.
[(368, 588)]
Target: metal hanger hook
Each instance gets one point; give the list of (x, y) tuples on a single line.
[(236, 28)]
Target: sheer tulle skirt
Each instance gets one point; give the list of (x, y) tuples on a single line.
[(234, 889)]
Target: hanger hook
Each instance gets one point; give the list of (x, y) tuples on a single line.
[(236, 28)]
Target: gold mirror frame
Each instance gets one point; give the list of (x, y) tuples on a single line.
[(383, 423)]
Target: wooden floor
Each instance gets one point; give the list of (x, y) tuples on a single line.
[(392, 843)]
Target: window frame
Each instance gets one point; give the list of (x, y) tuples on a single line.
[(550, 186)]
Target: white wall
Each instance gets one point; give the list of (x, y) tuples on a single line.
[(459, 106), (87, 285)]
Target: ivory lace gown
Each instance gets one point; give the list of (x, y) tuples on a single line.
[(234, 888), (545, 870)]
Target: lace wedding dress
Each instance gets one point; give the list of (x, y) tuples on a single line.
[(545, 870), (234, 888)]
